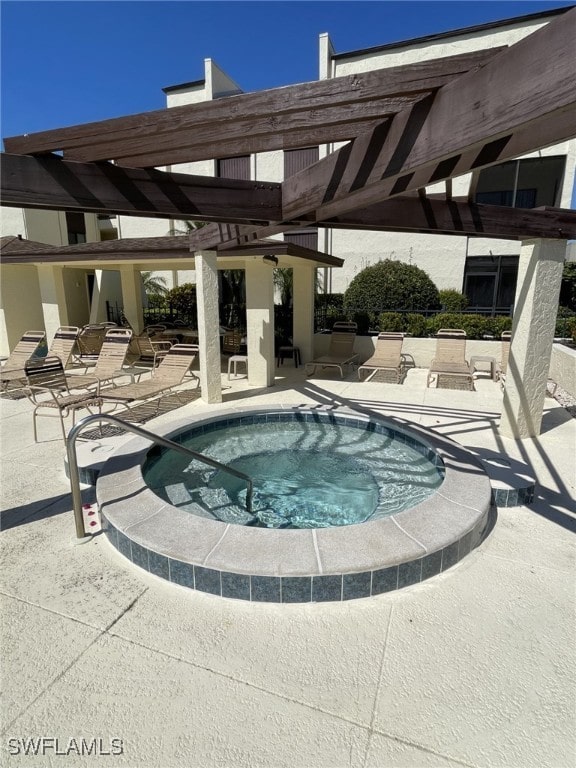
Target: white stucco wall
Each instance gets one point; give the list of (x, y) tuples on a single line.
[(76, 289), (441, 256), (434, 49), (12, 222), (563, 367), (20, 304)]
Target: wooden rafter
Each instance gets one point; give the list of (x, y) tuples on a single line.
[(281, 118), (50, 182), (521, 100), (432, 216), (414, 214)]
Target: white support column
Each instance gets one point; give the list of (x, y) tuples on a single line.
[(304, 285), (131, 282), (260, 323), (208, 326), (535, 307), (53, 295)]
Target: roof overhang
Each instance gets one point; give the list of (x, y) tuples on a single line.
[(171, 252)]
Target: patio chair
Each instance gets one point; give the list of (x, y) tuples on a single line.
[(63, 344), (154, 330), (89, 343), (47, 388), (231, 342), (12, 373), (144, 350), (502, 369), (387, 357), (109, 363), (170, 373), (340, 351), (450, 359)]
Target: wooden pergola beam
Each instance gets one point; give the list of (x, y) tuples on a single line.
[(523, 99), (280, 118), (49, 182), (449, 217), (413, 214)]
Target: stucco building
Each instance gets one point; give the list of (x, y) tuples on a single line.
[(484, 268)]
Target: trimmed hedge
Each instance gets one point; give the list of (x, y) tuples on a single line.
[(391, 285), (452, 300), (476, 326)]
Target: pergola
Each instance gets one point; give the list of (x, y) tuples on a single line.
[(405, 128)]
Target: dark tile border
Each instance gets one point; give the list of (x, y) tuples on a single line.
[(513, 497), (297, 589)]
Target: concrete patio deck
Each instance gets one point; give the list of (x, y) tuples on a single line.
[(474, 667)]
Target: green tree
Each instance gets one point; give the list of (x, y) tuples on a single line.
[(154, 285), (183, 300), (184, 227), (284, 284), (233, 297)]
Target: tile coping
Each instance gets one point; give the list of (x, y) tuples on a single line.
[(296, 565)]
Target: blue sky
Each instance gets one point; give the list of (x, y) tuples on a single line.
[(64, 63)]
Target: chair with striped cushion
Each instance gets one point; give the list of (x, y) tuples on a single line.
[(12, 373), (168, 375), (63, 344), (47, 388), (450, 358), (110, 361)]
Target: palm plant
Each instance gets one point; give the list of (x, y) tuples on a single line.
[(154, 285), (186, 227), (284, 284)]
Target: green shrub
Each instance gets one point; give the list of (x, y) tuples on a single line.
[(452, 300), (334, 315), (362, 320), (476, 326), (391, 285), (568, 286), (183, 300), (415, 324), (566, 327), (391, 321), (496, 325), (329, 300)]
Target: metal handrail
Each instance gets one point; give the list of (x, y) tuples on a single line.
[(73, 461)]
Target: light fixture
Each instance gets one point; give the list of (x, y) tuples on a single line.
[(273, 260)]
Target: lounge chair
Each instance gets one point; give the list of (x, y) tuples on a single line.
[(340, 351), (502, 369), (109, 364), (387, 357), (169, 374), (144, 350), (450, 359), (89, 343), (12, 373), (47, 388), (63, 344)]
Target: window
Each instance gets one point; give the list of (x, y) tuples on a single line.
[(234, 168), (296, 160), (76, 227), (307, 238), (528, 183), (490, 282)]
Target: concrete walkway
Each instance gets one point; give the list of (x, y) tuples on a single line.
[(475, 667)]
